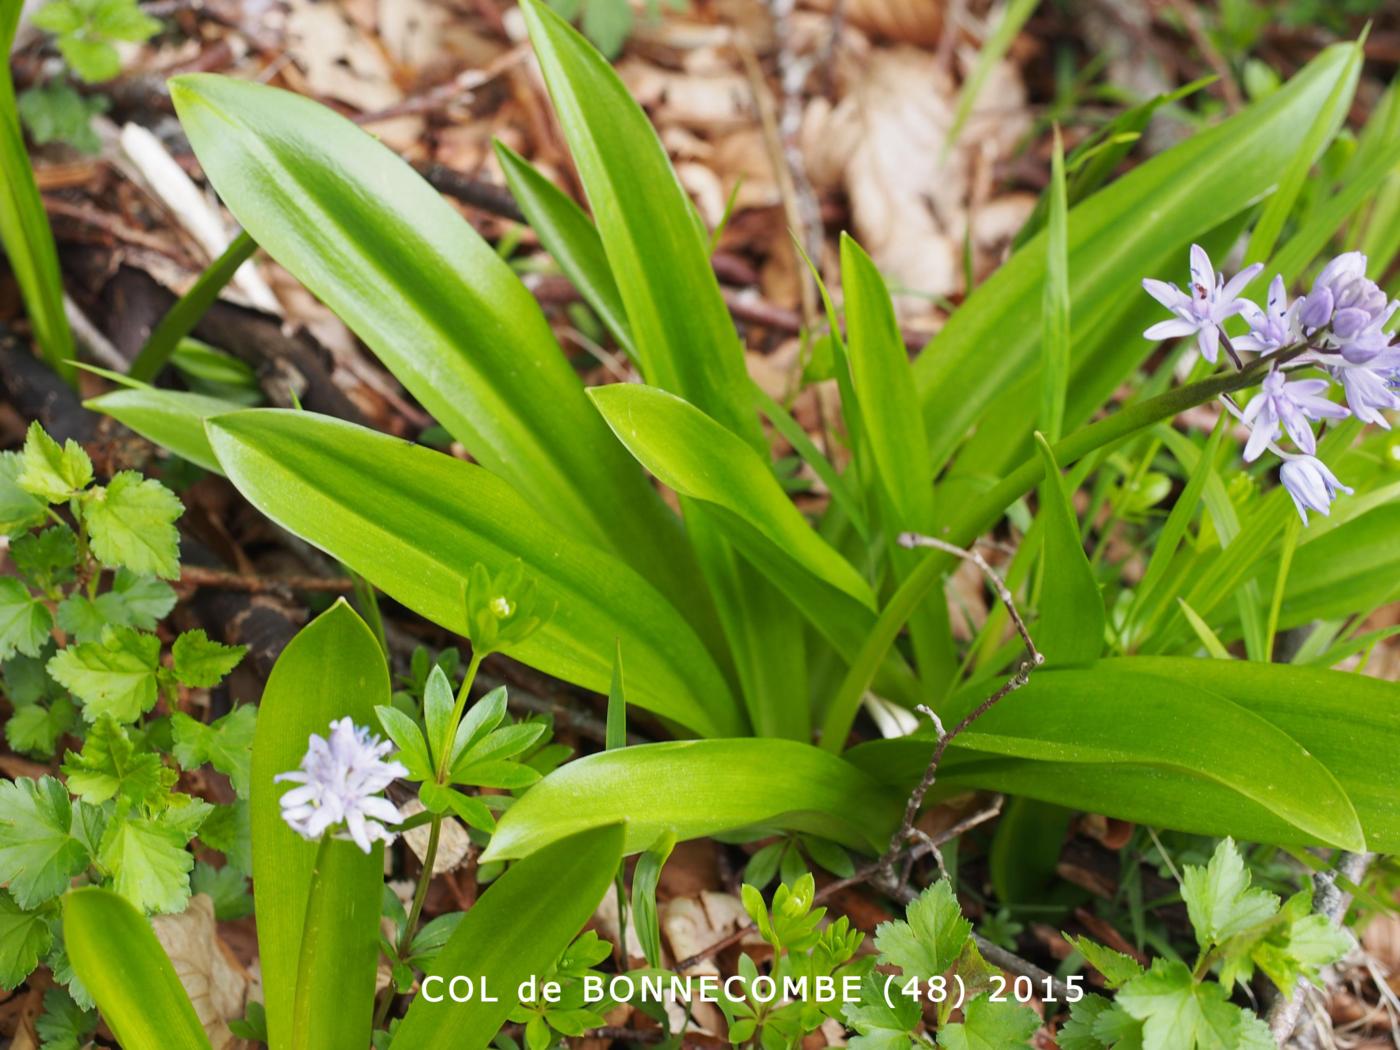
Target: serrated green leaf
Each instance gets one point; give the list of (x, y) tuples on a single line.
[(25, 621), (51, 471), (85, 618), (226, 744), (145, 599), (882, 1026), (24, 939), (1078, 1032), (35, 728), (1219, 899), (116, 676), (39, 854), (64, 1025), (932, 938), (132, 525), (199, 661), (989, 1025), (110, 766), (46, 557), (19, 509), (1179, 1013), (1117, 969), (148, 862)]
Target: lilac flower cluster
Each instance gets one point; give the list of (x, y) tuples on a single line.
[(341, 778), (1337, 332)]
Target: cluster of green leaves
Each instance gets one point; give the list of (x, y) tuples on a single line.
[(81, 662), (86, 33), (1240, 929), (939, 964), (739, 617)]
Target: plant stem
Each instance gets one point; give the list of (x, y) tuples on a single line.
[(985, 511), (425, 877)]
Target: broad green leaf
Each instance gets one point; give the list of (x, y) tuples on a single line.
[(1122, 737), (570, 237), (25, 621), (413, 521), (173, 419), (24, 228), (332, 669), (439, 307), (116, 676), (1178, 1011), (339, 953), (202, 662), (551, 894), (1116, 237), (116, 954), (132, 525), (746, 783), (1071, 625), (928, 941), (644, 879), (39, 853), (25, 938), (689, 452)]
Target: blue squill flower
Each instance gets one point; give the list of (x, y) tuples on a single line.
[(1209, 302), (341, 778), (1290, 405), (1273, 327), (1344, 297), (1311, 484), (1370, 392)]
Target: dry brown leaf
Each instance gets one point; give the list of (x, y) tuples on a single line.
[(884, 143), (216, 983), (453, 844), (903, 21)]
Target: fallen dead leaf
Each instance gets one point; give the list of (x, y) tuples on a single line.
[(453, 844), (903, 21), (216, 982)]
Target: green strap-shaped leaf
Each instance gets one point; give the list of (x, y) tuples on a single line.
[(332, 669), (1179, 743), (24, 227), (745, 783), (684, 337), (439, 307), (413, 522), (689, 452), (1115, 237), (883, 383), (173, 419), (570, 236), (115, 953), (518, 928), (1071, 624)]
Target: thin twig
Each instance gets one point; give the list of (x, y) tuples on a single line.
[(199, 576)]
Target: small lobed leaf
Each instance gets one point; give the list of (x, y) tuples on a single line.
[(24, 938), (199, 661), (110, 766), (1117, 969), (931, 939), (1219, 900), (132, 523), (989, 1025), (51, 471), (148, 863), (39, 854), (116, 676), (226, 744), (20, 509), (25, 621)]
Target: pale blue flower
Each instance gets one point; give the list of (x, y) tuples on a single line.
[(1311, 484), (1366, 344), (1369, 392), (1344, 297), (1273, 327), (1201, 311), (341, 777), (1290, 405)]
